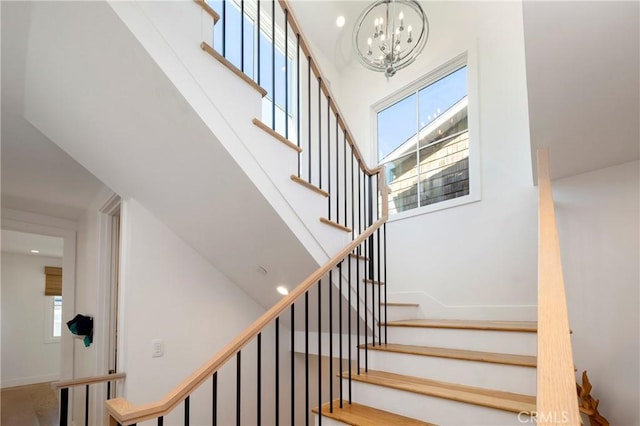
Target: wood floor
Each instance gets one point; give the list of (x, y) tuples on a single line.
[(32, 405)]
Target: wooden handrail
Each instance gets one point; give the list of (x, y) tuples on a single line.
[(557, 401), (293, 23), (127, 413), (87, 380)]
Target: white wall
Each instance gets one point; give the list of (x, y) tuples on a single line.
[(26, 357), (597, 215), (455, 255), (170, 292)]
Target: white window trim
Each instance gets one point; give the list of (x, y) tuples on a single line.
[(48, 321), (470, 60)]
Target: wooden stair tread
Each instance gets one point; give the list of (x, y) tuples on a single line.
[(257, 122), (462, 354), (334, 224), (526, 326), (501, 400), (412, 305), (224, 61), (310, 186), (361, 415), (359, 257)]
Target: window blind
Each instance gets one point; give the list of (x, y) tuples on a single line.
[(53, 281)]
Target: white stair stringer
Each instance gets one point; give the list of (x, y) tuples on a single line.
[(508, 378), (214, 92), (508, 342), (436, 410)]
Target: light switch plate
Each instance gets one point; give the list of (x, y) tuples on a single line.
[(157, 348)]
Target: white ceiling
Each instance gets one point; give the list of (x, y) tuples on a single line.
[(37, 176), (23, 243), (583, 81)]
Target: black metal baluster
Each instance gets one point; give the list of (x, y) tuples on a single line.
[(298, 96), (329, 158), (242, 35), (108, 389), (238, 388), (319, 352), (358, 264), (86, 405), (320, 131), (258, 43), (340, 326), (277, 373), (379, 291), (293, 341), (306, 357), (224, 29), (64, 406), (273, 64), (372, 280), (286, 73), (344, 159), (309, 112), (366, 312), (384, 232), (349, 325), (372, 261), (160, 421), (353, 200), (330, 342), (338, 175), (214, 398), (259, 384), (186, 411)]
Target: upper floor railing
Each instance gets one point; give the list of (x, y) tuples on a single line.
[(557, 401)]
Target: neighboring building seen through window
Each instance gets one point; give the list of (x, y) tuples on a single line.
[(423, 140)]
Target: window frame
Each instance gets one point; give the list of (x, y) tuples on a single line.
[(468, 59)]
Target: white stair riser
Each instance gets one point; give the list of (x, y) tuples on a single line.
[(327, 421), (508, 378), (509, 342), (441, 411), (397, 313)]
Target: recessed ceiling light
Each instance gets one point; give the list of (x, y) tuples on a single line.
[(340, 21), (35, 251), (282, 290)]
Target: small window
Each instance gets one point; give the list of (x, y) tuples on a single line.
[(53, 319), (423, 140)]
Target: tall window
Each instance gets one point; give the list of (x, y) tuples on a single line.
[(272, 74), (423, 140)]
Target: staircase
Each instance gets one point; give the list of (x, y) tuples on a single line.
[(471, 373), (405, 369)]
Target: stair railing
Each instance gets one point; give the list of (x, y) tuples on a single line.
[(320, 285), (263, 41), (556, 400), (64, 385)]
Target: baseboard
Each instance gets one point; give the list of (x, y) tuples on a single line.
[(430, 307), (23, 381)]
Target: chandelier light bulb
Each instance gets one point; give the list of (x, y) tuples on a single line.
[(401, 17)]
